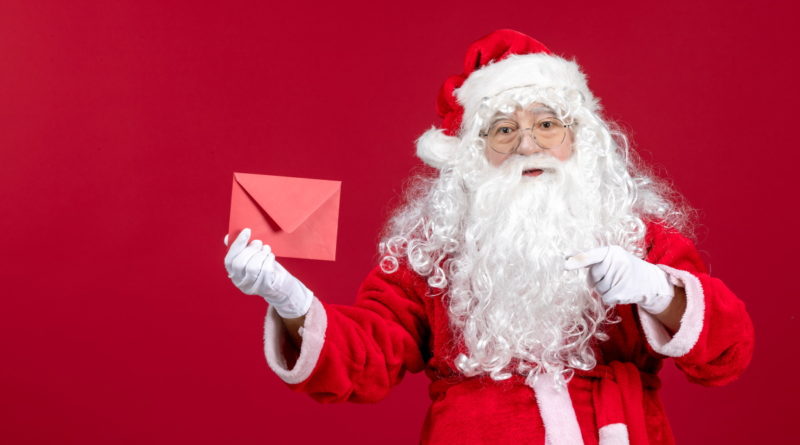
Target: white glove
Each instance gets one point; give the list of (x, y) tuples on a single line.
[(622, 278), (254, 270)]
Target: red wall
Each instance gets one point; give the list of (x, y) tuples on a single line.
[(122, 122)]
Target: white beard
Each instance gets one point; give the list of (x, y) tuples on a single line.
[(510, 295), (496, 241)]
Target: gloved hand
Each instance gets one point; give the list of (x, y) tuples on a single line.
[(622, 278), (254, 270)]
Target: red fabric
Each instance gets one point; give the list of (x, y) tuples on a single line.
[(394, 327), (612, 404), (493, 47)]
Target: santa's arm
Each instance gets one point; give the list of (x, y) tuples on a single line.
[(354, 353), (671, 317), (713, 341), (293, 326)]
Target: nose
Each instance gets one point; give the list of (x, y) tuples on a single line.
[(528, 146)]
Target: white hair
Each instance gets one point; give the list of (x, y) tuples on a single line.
[(496, 240)]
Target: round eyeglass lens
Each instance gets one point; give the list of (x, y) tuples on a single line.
[(505, 135)]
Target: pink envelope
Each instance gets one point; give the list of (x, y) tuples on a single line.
[(297, 217)]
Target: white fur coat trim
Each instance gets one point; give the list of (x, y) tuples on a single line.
[(614, 434), (558, 414)]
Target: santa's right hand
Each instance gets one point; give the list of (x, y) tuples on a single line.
[(253, 269)]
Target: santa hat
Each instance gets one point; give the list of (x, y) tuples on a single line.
[(497, 62)]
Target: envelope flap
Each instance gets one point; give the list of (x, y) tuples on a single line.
[(288, 201)]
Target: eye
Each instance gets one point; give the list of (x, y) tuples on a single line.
[(549, 124), (503, 128)]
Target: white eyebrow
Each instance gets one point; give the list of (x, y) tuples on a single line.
[(501, 117), (537, 110), (542, 110)]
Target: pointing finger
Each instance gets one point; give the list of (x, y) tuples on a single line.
[(587, 258), (226, 239), (598, 272)]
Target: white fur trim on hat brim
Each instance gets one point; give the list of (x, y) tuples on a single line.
[(518, 70), (436, 148)]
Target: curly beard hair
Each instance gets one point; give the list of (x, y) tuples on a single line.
[(496, 241)]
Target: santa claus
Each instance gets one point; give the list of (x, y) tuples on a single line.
[(539, 279)]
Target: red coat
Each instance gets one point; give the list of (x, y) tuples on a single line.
[(358, 353)]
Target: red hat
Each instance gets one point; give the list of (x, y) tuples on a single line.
[(490, 48), (500, 61)]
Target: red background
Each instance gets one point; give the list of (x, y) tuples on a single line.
[(121, 124)]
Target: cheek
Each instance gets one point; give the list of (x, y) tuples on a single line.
[(494, 157), (565, 151)]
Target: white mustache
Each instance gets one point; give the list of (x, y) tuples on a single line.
[(521, 164), (548, 163)]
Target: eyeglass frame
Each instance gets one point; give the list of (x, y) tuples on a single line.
[(485, 134)]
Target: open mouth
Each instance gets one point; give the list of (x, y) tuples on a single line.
[(533, 172)]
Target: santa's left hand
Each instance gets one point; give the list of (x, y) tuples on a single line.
[(621, 278)]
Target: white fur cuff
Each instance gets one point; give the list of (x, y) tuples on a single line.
[(313, 333), (691, 322)]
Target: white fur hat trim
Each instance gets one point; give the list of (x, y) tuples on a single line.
[(537, 69)]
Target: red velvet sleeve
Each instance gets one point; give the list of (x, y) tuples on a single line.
[(356, 353), (714, 343)]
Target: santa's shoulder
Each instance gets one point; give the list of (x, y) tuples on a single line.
[(667, 245)]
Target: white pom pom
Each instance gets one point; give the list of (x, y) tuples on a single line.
[(436, 148)]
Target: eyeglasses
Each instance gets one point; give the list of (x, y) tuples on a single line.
[(505, 135)]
